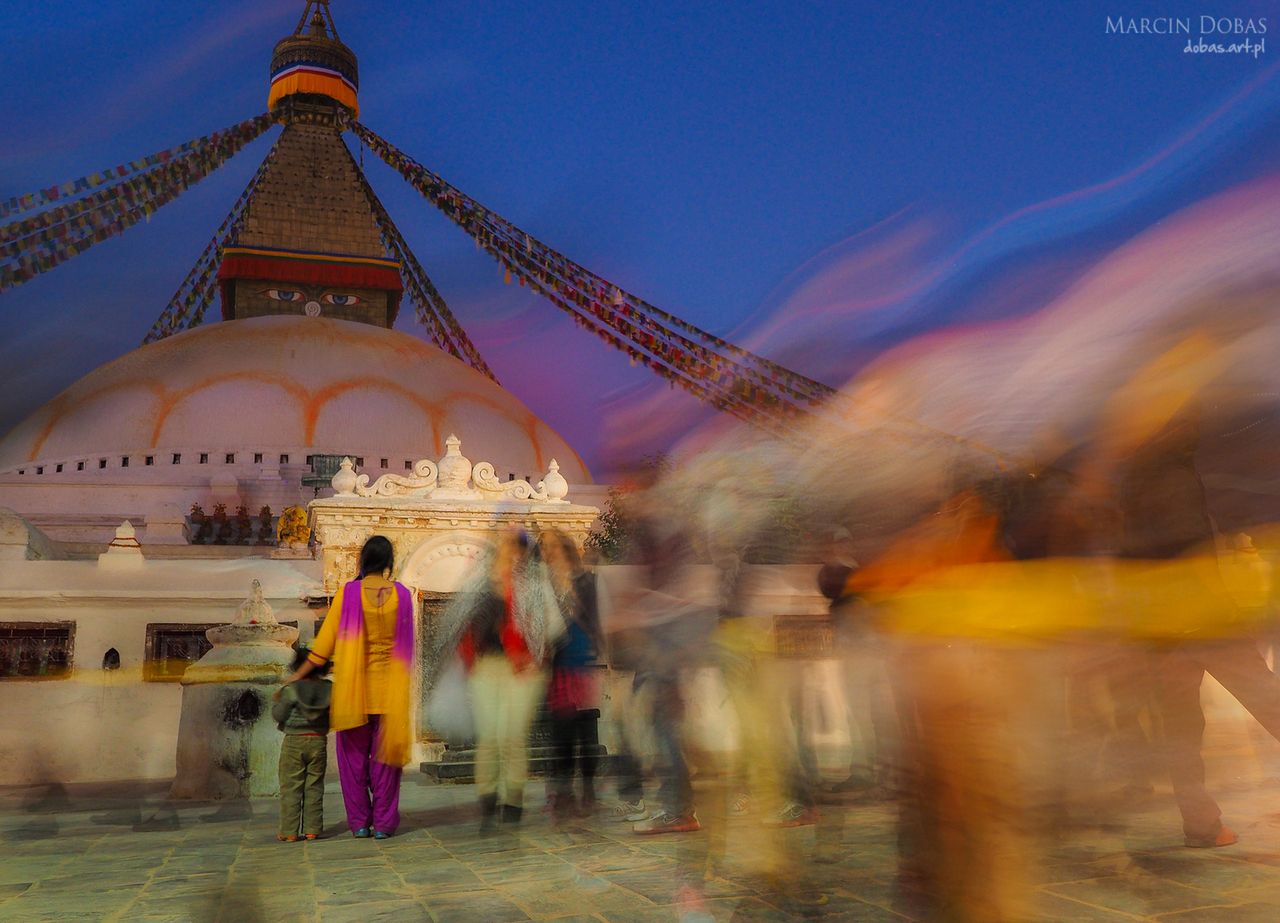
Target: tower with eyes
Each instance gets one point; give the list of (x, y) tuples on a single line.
[(309, 243)]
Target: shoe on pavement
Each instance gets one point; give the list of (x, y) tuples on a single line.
[(741, 805), (794, 815), (488, 814), (1225, 837), (666, 822), (630, 811)]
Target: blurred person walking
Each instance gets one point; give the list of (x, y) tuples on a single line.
[(503, 625), (776, 760), (867, 698), (671, 631), (963, 836), (1165, 517), (573, 694), (630, 709)]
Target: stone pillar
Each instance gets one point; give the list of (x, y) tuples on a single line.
[(228, 744)]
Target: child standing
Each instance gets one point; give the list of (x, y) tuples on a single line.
[(301, 710)]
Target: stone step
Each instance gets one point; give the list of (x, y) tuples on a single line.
[(460, 765)]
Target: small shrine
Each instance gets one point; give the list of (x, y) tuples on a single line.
[(228, 744)]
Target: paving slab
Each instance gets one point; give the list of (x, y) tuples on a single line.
[(122, 856)]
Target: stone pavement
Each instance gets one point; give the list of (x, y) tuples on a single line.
[(123, 854)]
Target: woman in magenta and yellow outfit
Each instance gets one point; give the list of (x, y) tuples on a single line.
[(368, 634)]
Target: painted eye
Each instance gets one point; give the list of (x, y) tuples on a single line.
[(284, 294), (342, 299)]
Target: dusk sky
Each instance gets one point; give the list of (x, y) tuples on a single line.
[(819, 181)]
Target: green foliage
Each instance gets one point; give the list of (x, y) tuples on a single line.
[(657, 466), (612, 536)]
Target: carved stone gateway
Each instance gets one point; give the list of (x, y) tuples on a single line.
[(440, 517)]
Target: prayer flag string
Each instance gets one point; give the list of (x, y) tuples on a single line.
[(250, 128), (187, 307), (127, 202), (710, 367), (432, 311), (102, 207)]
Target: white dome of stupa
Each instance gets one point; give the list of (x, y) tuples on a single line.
[(268, 388)]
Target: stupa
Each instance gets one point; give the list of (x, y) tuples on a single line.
[(304, 363), (309, 244), (107, 578)]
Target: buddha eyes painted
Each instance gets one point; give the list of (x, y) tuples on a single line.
[(339, 299)]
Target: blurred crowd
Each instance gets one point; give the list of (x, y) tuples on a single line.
[(1017, 641)]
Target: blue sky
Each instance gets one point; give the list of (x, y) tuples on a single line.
[(712, 158)]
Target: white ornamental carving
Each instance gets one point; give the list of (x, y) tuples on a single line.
[(468, 550), (556, 487), (345, 481), (490, 488), (420, 484), (455, 468), (453, 478), (255, 610)]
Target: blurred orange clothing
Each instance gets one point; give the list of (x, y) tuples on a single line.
[(961, 533), (380, 606)]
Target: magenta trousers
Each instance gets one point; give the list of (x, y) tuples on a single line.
[(370, 790)]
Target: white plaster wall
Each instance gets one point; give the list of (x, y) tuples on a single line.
[(104, 726), (86, 506), (101, 725)]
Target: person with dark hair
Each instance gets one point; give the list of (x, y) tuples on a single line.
[(573, 689), (867, 699), (368, 634), (301, 710)]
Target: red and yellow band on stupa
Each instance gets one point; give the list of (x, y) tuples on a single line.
[(309, 268)]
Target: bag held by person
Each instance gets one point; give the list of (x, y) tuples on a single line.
[(449, 705)]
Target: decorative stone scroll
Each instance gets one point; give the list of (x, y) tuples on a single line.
[(453, 478), (421, 483)]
